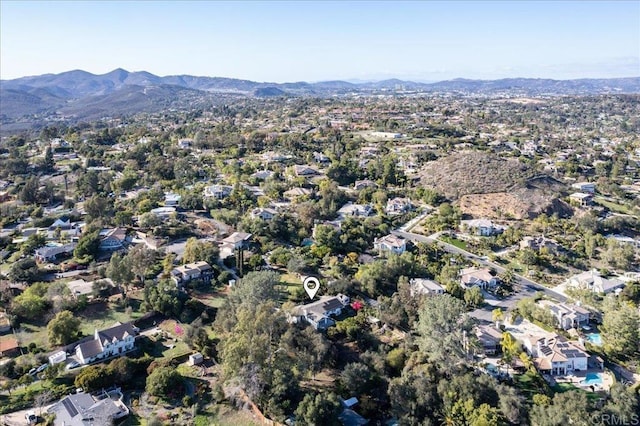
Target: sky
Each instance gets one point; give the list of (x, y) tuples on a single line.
[(315, 41)]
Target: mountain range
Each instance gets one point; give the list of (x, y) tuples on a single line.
[(81, 95)]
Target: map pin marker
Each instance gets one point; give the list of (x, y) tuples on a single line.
[(311, 286)]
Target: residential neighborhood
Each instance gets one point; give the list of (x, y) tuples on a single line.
[(477, 258)]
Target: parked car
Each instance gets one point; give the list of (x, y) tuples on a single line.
[(42, 368), (72, 364)]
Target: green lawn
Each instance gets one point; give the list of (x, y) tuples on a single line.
[(103, 315), (620, 208), (454, 241)]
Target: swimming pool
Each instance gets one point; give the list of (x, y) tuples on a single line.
[(592, 379), (594, 338)]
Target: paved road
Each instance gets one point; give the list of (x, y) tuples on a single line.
[(524, 287)]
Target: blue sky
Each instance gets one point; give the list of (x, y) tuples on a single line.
[(313, 41)]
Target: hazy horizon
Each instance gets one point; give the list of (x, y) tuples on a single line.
[(322, 41)]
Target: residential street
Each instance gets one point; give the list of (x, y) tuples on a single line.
[(524, 287)]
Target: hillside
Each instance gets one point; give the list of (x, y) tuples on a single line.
[(84, 95), (474, 172), (485, 185)]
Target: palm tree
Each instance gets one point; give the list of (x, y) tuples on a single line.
[(497, 315)]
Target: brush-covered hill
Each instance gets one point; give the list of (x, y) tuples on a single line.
[(486, 185)]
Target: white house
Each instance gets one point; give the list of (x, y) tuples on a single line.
[(191, 271), (185, 143), (424, 286), (362, 184), (355, 210), (390, 243), (302, 170), (568, 316), (218, 192), (50, 252), (319, 313), (113, 341), (478, 277), (398, 205), (482, 227), (555, 355), (265, 213), (588, 187), (593, 281)]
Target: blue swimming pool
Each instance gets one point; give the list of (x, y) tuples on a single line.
[(594, 338), (592, 379)]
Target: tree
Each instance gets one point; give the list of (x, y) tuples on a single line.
[(442, 326), (566, 408), (30, 190), (473, 297), (149, 220), (63, 328), (620, 328), (97, 207), (88, 246), (25, 270), (119, 269), (356, 377), (497, 315), (319, 410), (196, 250), (164, 382), (141, 260), (510, 347), (31, 303)]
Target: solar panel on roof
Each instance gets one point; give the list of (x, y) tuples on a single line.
[(71, 409)]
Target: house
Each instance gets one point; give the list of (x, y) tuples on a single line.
[(82, 409), (113, 341), (539, 243), (191, 271), (588, 187), (594, 282), (297, 193), (489, 338), (9, 346), (320, 158), (49, 253), (195, 359), (355, 210), (482, 227), (81, 287), (362, 184), (319, 313), (164, 213), (581, 199), (265, 214), (398, 205), (57, 357), (262, 174), (233, 242), (171, 199), (555, 355), (148, 240), (219, 192), (237, 240), (424, 286), (480, 277), (568, 315), (112, 239), (390, 243), (302, 170)]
